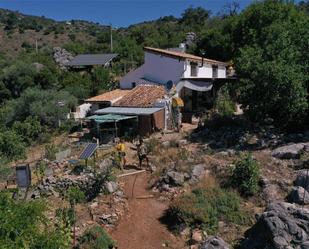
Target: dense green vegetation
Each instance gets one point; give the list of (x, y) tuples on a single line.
[(96, 238), (24, 225), (205, 207), (267, 42), (246, 175)]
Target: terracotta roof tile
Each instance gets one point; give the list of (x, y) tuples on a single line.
[(111, 96), (142, 96), (183, 55)]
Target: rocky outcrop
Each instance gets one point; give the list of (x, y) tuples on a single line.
[(89, 183), (174, 178), (198, 172), (292, 151), (270, 190), (62, 57), (111, 187), (214, 242), (302, 179), (281, 226), (298, 195)]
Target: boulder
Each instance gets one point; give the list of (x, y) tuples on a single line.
[(198, 172), (292, 151), (182, 142), (105, 164), (166, 144), (298, 195), (214, 242), (302, 179), (62, 57), (111, 187), (38, 66), (197, 236), (282, 225), (176, 178)]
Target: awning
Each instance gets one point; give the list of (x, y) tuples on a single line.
[(128, 110), (200, 86), (109, 118)]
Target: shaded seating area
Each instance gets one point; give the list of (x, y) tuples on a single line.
[(109, 126)]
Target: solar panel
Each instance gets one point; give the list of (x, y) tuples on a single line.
[(88, 151)]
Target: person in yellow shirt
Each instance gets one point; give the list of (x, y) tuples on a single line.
[(120, 147)]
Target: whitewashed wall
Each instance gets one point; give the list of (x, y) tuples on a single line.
[(222, 72), (202, 72), (205, 71), (156, 68), (126, 81), (159, 68), (162, 68)]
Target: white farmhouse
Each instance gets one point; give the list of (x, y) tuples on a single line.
[(169, 88), (195, 78)]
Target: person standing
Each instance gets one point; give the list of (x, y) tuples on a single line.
[(121, 153), (142, 153)]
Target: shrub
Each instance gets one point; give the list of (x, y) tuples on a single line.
[(29, 130), (245, 175), (11, 145), (50, 151), (25, 225), (153, 145), (204, 207), (75, 195), (224, 104), (5, 170), (96, 238)]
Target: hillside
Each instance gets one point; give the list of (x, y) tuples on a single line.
[(19, 32)]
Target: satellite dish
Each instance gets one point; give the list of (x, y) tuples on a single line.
[(169, 85)]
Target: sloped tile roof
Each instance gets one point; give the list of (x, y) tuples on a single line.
[(111, 96), (91, 59), (142, 96), (184, 55)]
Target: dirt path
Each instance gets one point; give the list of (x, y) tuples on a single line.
[(141, 228)]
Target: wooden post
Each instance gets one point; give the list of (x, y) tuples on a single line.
[(133, 186), (74, 228), (116, 129)]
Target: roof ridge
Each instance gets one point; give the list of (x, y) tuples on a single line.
[(183, 55)]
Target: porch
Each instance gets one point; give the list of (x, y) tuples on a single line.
[(198, 97)]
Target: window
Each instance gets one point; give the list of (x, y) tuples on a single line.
[(194, 69), (133, 84), (215, 71)]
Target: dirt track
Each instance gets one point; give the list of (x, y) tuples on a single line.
[(141, 227)]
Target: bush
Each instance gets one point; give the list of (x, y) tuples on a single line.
[(75, 195), (49, 106), (24, 225), (96, 238), (153, 145), (204, 207), (224, 104), (245, 176), (5, 170), (11, 145), (29, 130), (50, 151)]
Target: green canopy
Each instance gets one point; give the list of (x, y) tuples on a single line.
[(109, 118)]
